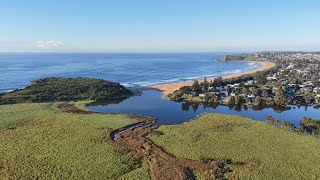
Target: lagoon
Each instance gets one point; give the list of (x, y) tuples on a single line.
[(151, 103)]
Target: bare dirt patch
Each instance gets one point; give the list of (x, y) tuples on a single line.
[(70, 108), (164, 165)]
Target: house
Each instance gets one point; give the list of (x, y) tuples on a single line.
[(224, 93), (248, 83), (193, 93), (291, 85), (275, 88), (308, 83), (291, 90), (214, 93), (302, 86), (251, 96), (233, 94), (271, 78), (316, 90), (221, 88)]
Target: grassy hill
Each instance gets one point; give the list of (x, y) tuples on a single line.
[(239, 57), (267, 152), (38, 141), (66, 89)]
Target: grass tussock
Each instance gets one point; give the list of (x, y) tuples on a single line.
[(268, 152)]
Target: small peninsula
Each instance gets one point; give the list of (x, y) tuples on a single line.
[(67, 89)]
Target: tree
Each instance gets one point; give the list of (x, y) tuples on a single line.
[(258, 101), (254, 90), (229, 90), (195, 86), (185, 89), (280, 99), (245, 90), (315, 80), (176, 96), (246, 98), (264, 93), (288, 125), (284, 88), (237, 100), (185, 106), (231, 100), (308, 96), (271, 119), (218, 81), (195, 107), (302, 129), (205, 84), (260, 78)]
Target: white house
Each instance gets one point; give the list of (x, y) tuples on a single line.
[(251, 96)]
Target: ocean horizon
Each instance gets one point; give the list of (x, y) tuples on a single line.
[(132, 70)]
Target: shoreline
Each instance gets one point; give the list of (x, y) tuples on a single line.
[(169, 88)]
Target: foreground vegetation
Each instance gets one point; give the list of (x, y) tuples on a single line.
[(37, 141), (267, 151), (66, 89)]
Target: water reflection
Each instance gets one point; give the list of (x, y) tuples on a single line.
[(151, 103), (185, 106)]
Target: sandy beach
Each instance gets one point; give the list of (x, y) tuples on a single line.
[(170, 88)]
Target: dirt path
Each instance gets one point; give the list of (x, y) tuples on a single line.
[(163, 165)]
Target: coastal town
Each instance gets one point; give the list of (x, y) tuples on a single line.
[(295, 80)]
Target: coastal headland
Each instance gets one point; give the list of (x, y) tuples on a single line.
[(170, 88)]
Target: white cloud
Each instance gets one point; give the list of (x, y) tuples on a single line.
[(45, 44)]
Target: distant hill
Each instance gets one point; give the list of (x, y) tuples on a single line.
[(67, 89), (239, 57)]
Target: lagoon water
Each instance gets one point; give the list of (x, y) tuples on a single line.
[(151, 103), (132, 70)]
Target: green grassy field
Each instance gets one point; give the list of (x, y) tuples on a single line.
[(39, 142), (141, 173), (267, 151)]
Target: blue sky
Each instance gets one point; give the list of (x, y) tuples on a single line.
[(159, 25)]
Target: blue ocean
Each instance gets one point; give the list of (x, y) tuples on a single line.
[(17, 70)]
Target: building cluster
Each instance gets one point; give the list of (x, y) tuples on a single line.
[(286, 56), (295, 80)]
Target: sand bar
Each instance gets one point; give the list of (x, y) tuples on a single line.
[(170, 88)]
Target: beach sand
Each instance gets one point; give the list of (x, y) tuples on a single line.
[(170, 88)]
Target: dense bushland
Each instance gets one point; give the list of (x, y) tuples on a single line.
[(65, 89)]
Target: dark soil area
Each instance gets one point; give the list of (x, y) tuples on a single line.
[(164, 165)]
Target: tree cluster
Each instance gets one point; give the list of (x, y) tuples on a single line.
[(307, 125), (66, 89)]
